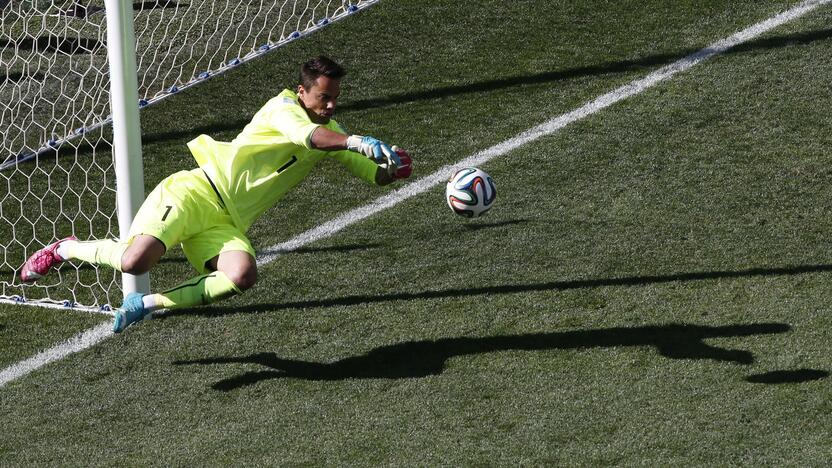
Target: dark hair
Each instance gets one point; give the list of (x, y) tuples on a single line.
[(319, 66)]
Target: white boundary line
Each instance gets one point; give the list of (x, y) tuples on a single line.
[(94, 335), (80, 342)]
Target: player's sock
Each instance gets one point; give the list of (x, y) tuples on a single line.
[(100, 252), (205, 289)]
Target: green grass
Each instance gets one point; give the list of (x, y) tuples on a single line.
[(651, 287)]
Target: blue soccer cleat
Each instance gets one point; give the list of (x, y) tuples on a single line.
[(132, 310)]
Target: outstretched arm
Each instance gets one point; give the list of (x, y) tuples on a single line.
[(392, 163), (327, 140)]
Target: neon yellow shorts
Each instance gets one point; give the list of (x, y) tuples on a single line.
[(184, 209)]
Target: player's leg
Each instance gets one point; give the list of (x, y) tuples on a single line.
[(142, 255), (226, 260), (41, 262), (221, 254), (136, 256), (160, 222), (231, 273), (239, 266), (177, 208), (197, 291)]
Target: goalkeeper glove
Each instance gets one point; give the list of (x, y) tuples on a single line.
[(374, 149), (401, 167)]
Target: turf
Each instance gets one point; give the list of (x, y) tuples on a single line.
[(650, 288)]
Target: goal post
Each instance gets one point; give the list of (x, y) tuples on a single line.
[(70, 150), (127, 143)]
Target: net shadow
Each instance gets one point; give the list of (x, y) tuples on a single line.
[(52, 43), (16, 77), (158, 5)]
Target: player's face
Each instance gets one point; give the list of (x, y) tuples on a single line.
[(321, 99)]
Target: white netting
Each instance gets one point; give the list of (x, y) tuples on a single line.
[(57, 174)]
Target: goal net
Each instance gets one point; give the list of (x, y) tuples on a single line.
[(57, 172)]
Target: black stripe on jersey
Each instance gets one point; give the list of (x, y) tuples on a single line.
[(219, 197), (286, 166)]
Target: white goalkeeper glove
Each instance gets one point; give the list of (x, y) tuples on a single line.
[(374, 149)]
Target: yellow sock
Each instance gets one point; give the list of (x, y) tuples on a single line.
[(101, 252), (201, 290)]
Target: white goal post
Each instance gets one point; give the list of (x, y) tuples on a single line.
[(73, 77)]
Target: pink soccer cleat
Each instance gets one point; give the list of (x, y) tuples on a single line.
[(42, 261)]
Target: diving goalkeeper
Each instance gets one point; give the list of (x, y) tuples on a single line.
[(209, 209)]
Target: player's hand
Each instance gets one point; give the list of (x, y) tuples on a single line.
[(405, 165), (399, 168), (374, 149)]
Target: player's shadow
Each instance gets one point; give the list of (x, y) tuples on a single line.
[(787, 376), (218, 310), (416, 359)]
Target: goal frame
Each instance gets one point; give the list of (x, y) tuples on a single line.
[(125, 106)]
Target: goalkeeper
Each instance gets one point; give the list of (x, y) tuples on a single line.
[(209, 209)]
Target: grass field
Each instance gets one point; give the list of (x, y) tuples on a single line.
[(651, 287)]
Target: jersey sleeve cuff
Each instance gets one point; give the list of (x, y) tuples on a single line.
[(308, 130)]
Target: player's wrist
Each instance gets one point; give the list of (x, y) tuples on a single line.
[(354, 143), (371, 147)]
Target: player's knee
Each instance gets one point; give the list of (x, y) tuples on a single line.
[(142, 255), (136, 263), (243, 278)]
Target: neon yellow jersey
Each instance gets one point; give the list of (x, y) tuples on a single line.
[(271, 155)]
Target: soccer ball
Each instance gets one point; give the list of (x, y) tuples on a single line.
[(470, 192)]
